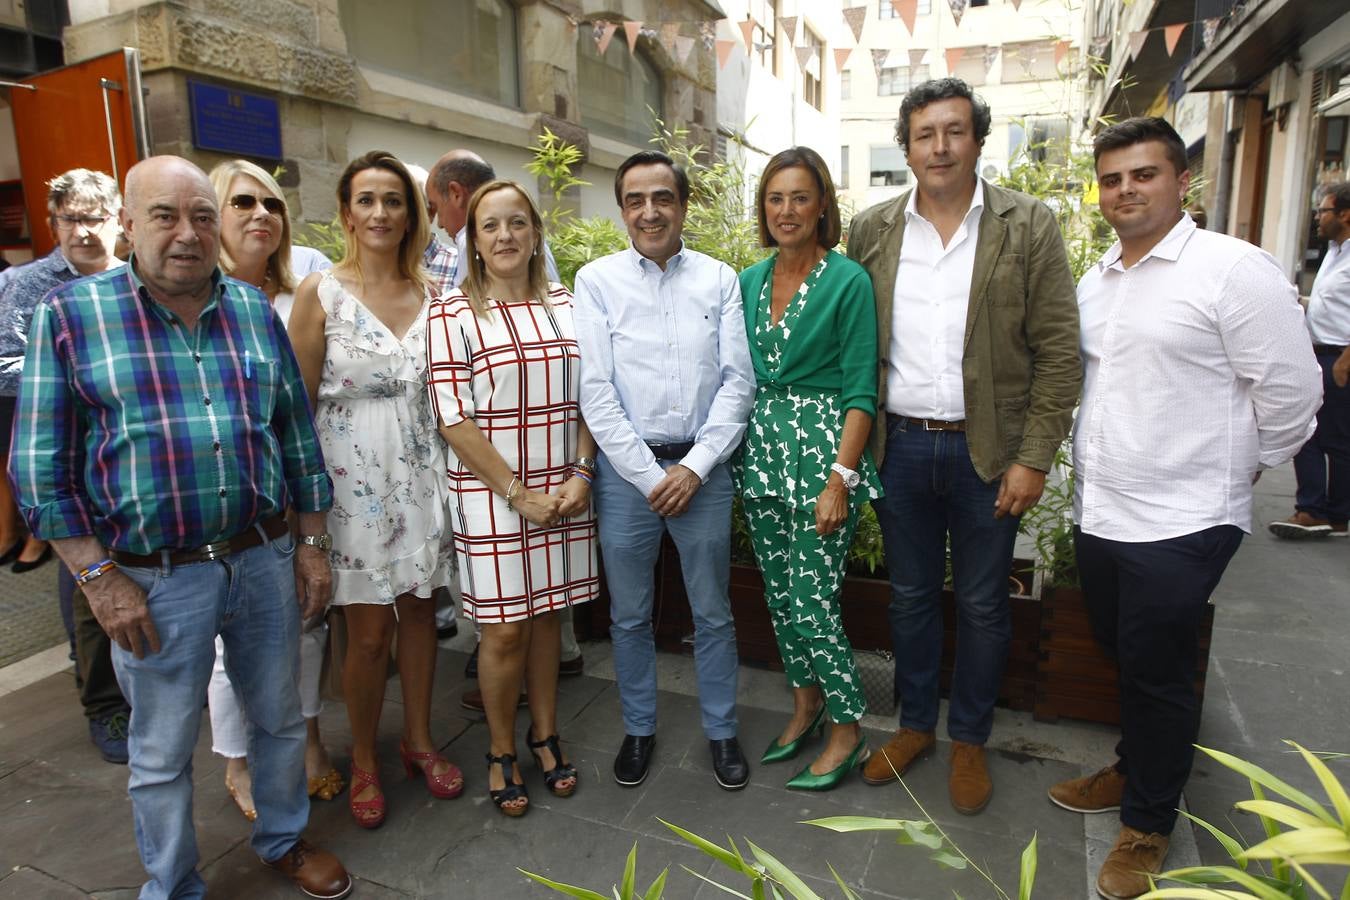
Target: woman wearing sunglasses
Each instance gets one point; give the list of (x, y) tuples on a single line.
[(255, 247)]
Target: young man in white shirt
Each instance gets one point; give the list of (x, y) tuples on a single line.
[(1197, 375)]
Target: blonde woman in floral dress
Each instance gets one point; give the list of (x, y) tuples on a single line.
[(359, 332)]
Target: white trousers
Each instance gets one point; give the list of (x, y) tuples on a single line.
[(229, 728)]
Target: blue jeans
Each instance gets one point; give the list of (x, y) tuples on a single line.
[(249, 599), (932, 491), (1322, 467), (630, 540)]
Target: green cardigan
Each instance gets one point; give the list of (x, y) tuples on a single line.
[(833, 345)]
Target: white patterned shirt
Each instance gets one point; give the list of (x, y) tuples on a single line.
[(1329, 304), (1197, 374)]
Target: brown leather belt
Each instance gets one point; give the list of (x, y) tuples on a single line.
[(928, 424), (273, 526)]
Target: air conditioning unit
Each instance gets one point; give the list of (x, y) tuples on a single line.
[(1283, 86)]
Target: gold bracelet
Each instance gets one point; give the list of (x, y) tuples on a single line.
[(511, 490)]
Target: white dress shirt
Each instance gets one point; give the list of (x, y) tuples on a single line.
[(664, 358), (1329, 304), (928, 315), (1197, 374)]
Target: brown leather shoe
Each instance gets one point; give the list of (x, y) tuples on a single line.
[(1096, 793), (316, 872), (1301, 525), (904, 748), (969, 783), (1134, 857), (474, 700)]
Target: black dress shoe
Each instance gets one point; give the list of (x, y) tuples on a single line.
[(729, 766), (471, 667), (447, 631), (634, 759)]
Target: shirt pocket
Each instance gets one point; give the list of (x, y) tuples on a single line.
[(261, 386)]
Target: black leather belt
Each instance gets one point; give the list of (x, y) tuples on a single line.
[(273, 526), (1320, 349), (670, 451), (928, 424)]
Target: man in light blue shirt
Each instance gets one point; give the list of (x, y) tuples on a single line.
[(666, 389)]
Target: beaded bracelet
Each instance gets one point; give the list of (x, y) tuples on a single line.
[(94, 570), (511, 490), (581, 473)]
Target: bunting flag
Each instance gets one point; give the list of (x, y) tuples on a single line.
[(841, 55), (1172, 34), (804, 55), (954, 55), (1061, 49), (879, 61), (1211, 29), (748, 32), (631, 30), (855, 16), (1137, 39), (789, 24), (683, 47), (906, 10), (1017, 5), (958, 9), (916, 57), (990, 57), (669, 32), (724, 52), (604, 33)]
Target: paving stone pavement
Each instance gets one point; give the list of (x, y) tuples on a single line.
[(1277, 671), (32, 619)]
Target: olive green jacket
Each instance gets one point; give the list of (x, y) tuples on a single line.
[(1022, 372)]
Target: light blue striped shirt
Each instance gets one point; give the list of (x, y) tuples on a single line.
[(664, 359)]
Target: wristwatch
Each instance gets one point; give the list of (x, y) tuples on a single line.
[(851, 478), (322, 541)]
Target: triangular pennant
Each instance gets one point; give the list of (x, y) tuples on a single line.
[(990, 57), (789, 24), (604, 33), (724, 52), (632, 29), (1061, 48), (748, 32), (954, 55), (958, 9), (906, 10), (669, 32), (1172, 34), (1137, 39), (916, 57), (879, 61), (1017, 5), (841, 55), (804, 55), (1211, 29), (855, 16), (683, 46)]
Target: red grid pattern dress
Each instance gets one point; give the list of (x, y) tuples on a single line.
[(516, 375)]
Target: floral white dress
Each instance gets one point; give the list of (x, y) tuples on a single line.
[(383, 452)]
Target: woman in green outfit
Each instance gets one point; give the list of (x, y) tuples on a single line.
[(803, 471)]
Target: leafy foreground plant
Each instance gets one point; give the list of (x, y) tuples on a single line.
[(1299, 834)]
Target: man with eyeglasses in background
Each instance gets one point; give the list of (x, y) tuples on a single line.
[(1322, 467)]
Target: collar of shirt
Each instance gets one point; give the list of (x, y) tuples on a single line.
[(976, 206), (67, 264), (1169, 248), (645, 265), (142, 291)]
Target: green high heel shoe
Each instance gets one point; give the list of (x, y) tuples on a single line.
[(778, 752), (806, 781)]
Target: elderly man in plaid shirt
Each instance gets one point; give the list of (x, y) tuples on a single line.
[(162, 431)]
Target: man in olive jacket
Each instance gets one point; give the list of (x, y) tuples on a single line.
[(979, 374)]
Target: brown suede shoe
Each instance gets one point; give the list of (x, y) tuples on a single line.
[(1134, 857), (316, 872), (904, 748), (1096, 793), (969, 783)]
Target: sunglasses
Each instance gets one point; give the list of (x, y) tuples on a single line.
[(245, 202)]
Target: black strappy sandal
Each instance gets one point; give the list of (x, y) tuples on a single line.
[(561, 771), (512, 791)]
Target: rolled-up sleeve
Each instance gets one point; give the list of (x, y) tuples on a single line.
[(307, 479), (449, 368)]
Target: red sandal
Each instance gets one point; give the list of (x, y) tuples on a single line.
[(367, 813), (447, 786)]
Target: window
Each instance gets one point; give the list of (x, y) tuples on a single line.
[(900, 79), (467, 46), (1029, 61), (764, 35), (1043, 140), (812, 92), (846, 84), (887, 166), (971, 67), (614, 91), (886, 9)]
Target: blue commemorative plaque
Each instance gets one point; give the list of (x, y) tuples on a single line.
[(232, 121)]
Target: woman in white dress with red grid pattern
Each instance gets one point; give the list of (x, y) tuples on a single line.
[(503, 373)]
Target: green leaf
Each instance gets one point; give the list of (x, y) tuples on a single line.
[(579, 892), (1028, 875), (1230, 846), (845, 824), (1293, 845), (924, 833), (948, 859), (1335, 792), (1280, 812), (1265, 779), (849, 893), (719, 885), (727, 858), (782, 874), (658, 888), (626, 886), (1236, 876)]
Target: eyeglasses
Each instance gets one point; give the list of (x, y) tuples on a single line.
[(1318, 210), (69, 223), (245, 202)]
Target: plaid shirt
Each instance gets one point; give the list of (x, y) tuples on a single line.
[(132, 428), (440, 260)]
